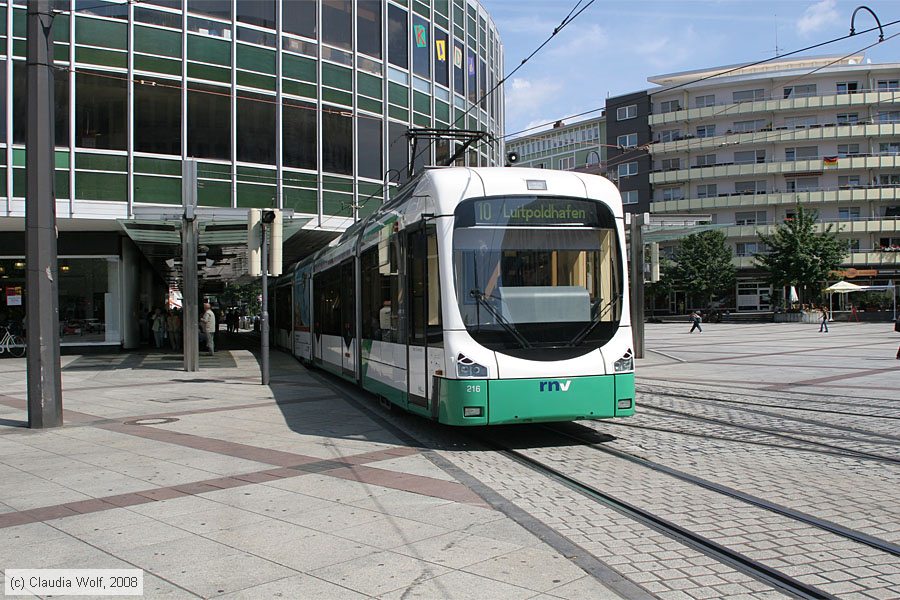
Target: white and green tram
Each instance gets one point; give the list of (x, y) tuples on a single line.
[(478, 296)]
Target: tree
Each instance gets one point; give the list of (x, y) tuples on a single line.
[(702, 267), (799, 256)]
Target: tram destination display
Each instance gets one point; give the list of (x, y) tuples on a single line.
[(533, 211)]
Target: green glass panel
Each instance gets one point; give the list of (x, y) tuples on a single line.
[(3, 20), (100, 186), (441, 110), (60, 28), (295, 88), (336, 97), (369, 85), (297, 67), (252, 58), (337, 77), (61, 52), (100, 162), (422, 102), (163, 190), (442, 21), (300, 200), (401, 114), (213, 171), (19, 183), (338, 184), (421, 120), (157, 65), (369, 205), (157, 166), (214, 193), (442, 6), (397, 94), (421, 8), (209, 50), (334, 203), (256, 175), (61, 184), (3, 183), (18, 157), (96, 56), (97, 32), (255, 196), (20, 22), (209, 72), (370, 105), (255, 80), (19, 48), (61, 158), (300, 179), (157, 41)]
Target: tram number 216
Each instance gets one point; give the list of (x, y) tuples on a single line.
[(473, 389)]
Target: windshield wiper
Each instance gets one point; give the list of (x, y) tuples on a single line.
[(509, 327), (601, 312)]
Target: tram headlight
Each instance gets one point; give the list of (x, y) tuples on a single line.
[(624, 364), (466, 367)]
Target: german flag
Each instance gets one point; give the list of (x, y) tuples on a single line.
[(830, 161)]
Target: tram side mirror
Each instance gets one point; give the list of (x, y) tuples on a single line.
[(512, 158)]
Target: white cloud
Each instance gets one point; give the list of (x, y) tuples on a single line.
[(817, 17), (579, 41)]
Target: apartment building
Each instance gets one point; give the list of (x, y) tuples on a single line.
[(749, 146), (579, 145)]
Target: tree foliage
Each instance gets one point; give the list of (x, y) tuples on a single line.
[(797, 255), (702, 267)]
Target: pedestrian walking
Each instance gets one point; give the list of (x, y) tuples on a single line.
[(696, 319), (208, 326), (823, 326), (897, 329), (158, 327), (853, 314)]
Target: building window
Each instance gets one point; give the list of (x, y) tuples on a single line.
[(20, 104), (670, 135), (459, 73), (368, 27), (885, 85), (626, 112), (704, 101), (846, 182), (802, 184), (337, 23), (889, 116), (802, 153), (749, 156), (630, 197), (749, 126), (442, 58), (369, 147), (706, 160), (750, 187), (256, 12), (800, 91), (157, 116), (847, 118), (398, 36), (746, 248), (748, 95), (888, 179), (845, 150), (853, 245), (100, 111), (256, 128), (299, 18), (800, 122), (421, 47), (337, 141), (209, 121), (567, 163), (892, 148), (670, 164), (219, 9), (847, 87), (299, 134), (848, 213), (672, 193), (707, 190), (628, 140), (704, 131), (628, 169), (670, 106), (759, 217)]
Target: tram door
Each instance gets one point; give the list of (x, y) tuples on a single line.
[(424, 310)]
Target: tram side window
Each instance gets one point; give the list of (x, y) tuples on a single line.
[(424, 289), (327, 288), (347, 285), (283, 307), (381, 293)]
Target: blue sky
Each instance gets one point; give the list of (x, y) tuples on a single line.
[(615, 45)]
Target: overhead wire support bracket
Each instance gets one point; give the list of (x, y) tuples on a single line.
[(466, 136), (874, 16)]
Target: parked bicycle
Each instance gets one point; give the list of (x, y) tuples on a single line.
[(14, 344)]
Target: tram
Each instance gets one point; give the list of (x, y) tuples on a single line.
[(477, 296)]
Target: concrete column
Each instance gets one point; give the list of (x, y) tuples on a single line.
[(131, 295)]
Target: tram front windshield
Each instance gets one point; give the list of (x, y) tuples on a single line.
[(537, 277)]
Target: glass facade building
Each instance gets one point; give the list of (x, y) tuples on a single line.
[(299, 104)]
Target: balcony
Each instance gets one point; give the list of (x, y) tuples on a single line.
[(827, 101), (873, 193), (768, 135), (775, 167)]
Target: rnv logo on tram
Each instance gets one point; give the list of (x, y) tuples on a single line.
[(555, 386)]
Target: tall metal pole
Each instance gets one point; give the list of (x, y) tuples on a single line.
[(42, 287), (637, 283), (264, 318), (190, 292)]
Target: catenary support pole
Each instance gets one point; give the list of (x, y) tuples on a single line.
[(42, 286), (264, 318), (637, 282), (190, 292)]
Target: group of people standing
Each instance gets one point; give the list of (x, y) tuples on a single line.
[(165, 325)]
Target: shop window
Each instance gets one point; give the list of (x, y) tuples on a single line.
[(256, 12), (337, 23), (100, 111), (299, 134), (157, 116), (369, 147), (337, 141), (299, 17), (398, 49), (368, 27), (256, 128), (209, 121)]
